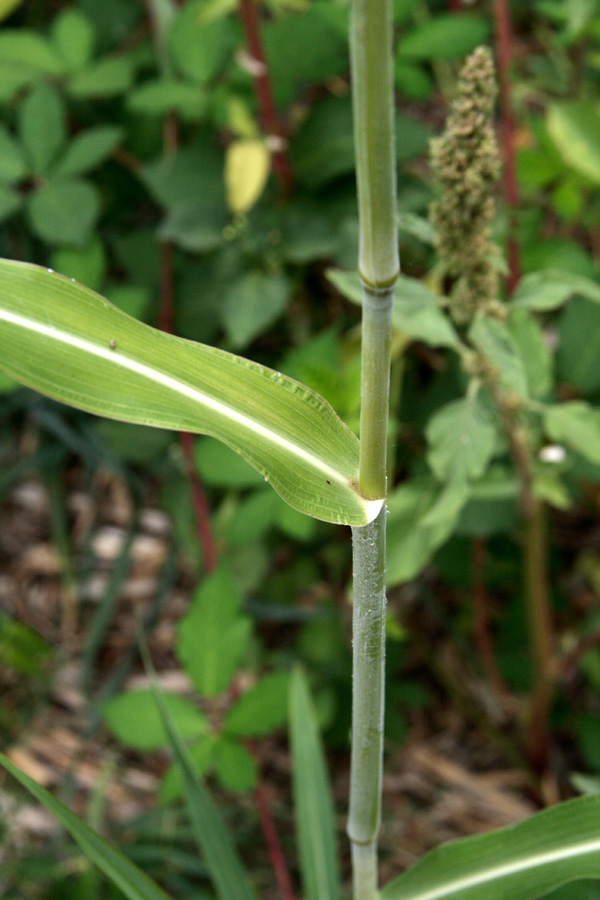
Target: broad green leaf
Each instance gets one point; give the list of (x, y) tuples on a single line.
[(496, 343), (521, 862), (64, 211), (200, 757), (574, 127), (27, 50), (550, 288), (579, 345), (416, 311), (315, 821), (106, 77), (235, 766), (213, 634), (247, 166), (196, 226), (199, 49), (252, 303), (87, 150), (461, 438), (10, 201), (12, 163), (444, 37), (221, 467), (213, 839), (42, 126), (73, 37), (577, 425), (64, 340), (134, 719), (262, 709), (85, 264), (412, 539), (134, 883), (533, 350), (178, 179), (156, 98)]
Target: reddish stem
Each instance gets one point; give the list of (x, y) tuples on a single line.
[(200, 503), (482, 630), (503, 33), (455, 6), (270, 121)]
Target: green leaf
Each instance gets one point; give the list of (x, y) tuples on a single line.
[(213, 634), (88, 149), (28, 51), (7, 8), (42, 126), (200, 757), (221, 467), (444, 37), (124, 874), (134, 719), (235, 766), (416, 312), (252, 303), (64, 211), (461, 438), (574, 127), (199, 48), (312, 798), (533, 350), (412, 537), (496, 343), (261, 709), (10, 202), (196, 226), (12, 163), (63, 340), (73, 37), (576, 424), (85, 264), (214, 841), (156, 98), (107, 77), (579, 345), (523, 861), (550, 288), (177, 179)]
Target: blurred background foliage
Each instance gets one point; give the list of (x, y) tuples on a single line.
[(193, 162)]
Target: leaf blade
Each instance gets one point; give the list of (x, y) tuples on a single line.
[(549, 849), (64, 340), (134, 883)]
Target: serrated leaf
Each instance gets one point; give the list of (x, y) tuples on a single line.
[(494, 340), (550, 288), (135, 721), (247, 166), (577, 425), (213, 634), (262, 709), (64, 211), (134, 883), (42, 126), (574, 127), (87, 150), (64, 340), (523, 861), (316, 834)]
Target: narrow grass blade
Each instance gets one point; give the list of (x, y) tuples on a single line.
[(66, 341), (124, 874), (210, 833), (522, 862), (314, 809)]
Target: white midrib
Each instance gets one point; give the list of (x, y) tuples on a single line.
[(493, 874), (186, 390)]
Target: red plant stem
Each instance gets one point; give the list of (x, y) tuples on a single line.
[(200, 503), (274, 849), (270, 122), (455, 6), (503, 34), (481, 606)]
